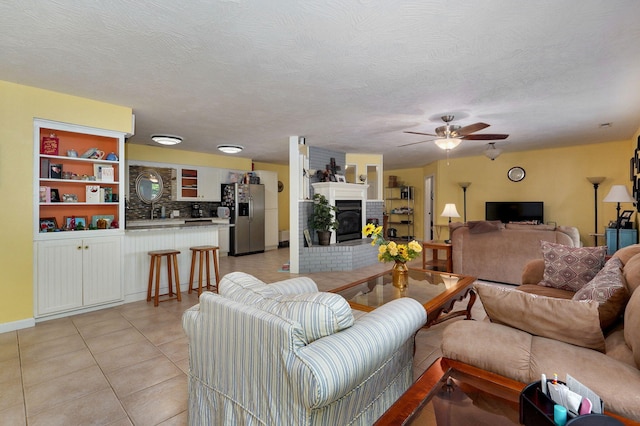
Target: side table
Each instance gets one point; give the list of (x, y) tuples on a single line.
[(437, 264)]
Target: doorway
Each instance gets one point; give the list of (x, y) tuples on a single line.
[(428, 208)]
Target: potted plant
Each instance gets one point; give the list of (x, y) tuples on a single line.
[(323, 219)]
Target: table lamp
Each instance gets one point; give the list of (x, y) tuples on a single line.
[(618, 194), (450, 211)]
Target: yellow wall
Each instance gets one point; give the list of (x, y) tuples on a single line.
[(283, 197), (179, 156), (19, 105), (555, 176)]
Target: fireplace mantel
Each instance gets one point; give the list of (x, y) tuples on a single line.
[(343, 191)]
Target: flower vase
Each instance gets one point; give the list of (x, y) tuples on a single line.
[(400, 274)]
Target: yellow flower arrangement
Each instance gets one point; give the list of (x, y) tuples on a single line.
[(390, 251)]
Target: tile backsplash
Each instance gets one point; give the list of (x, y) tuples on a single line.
[(136, 209)]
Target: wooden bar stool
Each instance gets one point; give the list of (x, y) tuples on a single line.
[(156, 263), (204, 251)]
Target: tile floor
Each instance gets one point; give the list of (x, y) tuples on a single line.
[(127, 365)]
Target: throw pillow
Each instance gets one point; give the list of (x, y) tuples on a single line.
[(482, 226), (319, 314), (608, 288), (566, 320), (570, 268), (244, 288)]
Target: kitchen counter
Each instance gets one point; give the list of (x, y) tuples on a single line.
[(145, 225)]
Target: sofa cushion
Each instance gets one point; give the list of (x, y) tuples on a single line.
[(632, 272), (319, 314), (570, 268), (609, 290), (569, 321), (482, 226), (632, 326)]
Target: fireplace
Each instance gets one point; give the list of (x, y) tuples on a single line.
[(337, 192), (349, 216)]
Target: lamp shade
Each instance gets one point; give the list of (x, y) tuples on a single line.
[(492, 152), (596, 180), (619, 194), (448, 143), (450, 211)]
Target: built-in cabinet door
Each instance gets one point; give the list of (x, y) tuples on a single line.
[(101, 270), (59, 281)]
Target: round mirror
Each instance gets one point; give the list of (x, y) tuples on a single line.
[(149, 186)]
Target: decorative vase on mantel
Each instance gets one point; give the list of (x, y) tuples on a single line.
[(400, 274)]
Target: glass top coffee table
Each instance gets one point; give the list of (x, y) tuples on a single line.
[(436, 291)]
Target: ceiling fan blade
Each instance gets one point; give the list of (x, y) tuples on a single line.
[(418, 133), (415, 143), (485, 137), (471, 128)]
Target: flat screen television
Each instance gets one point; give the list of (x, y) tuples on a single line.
[(514, 211)]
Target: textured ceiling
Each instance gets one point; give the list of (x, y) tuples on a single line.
[(347, 75)]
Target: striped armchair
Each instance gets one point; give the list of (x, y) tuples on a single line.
[(284, 353)]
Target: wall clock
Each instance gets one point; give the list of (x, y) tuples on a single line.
[(516, 174)]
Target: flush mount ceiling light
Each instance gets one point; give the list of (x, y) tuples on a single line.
[(166, 139), (492, 152), (447, 143), (230, 149)]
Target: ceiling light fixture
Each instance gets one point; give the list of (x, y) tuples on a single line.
[(230, 149), (492, 152), (167, 139), (447, 143)]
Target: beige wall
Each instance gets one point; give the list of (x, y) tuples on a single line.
[(19, 105), (180, 156), (555, 176)]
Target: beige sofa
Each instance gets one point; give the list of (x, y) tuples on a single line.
[(496, 252), (612, 371)]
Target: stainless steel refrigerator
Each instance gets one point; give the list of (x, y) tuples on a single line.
[(246, 205)]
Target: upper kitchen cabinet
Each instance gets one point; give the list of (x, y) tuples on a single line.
[(78, 181), (195, 184)]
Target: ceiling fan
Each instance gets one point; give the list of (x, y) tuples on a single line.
[(449, 136)]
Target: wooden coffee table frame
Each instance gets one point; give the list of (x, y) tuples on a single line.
[(440, 308), (420, 393), (409, 405)]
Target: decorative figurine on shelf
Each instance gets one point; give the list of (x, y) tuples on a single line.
[(72, 223)]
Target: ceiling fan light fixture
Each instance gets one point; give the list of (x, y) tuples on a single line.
[(166, 139), (447, 143), (492, 152), (230, 149)]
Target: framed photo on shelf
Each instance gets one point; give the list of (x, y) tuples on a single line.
[(96, 217), (341, 178), (55, 171), (307, 237), (55, 195), (625, 217), (73, 222), (48, 224)]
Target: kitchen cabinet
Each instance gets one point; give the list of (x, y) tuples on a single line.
[(223, 239), (270, 181), (195, 184), (77, 273)]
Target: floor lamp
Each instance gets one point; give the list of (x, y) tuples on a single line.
[(464, 186), (596, 181), (618, 194), (450, 211)]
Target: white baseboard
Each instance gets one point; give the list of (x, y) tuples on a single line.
[(17, 325)]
